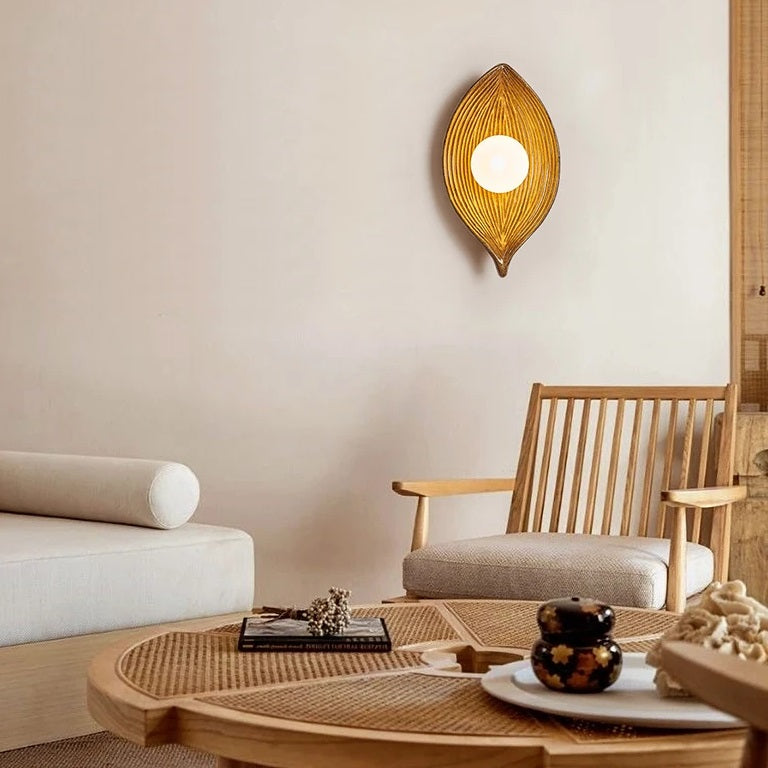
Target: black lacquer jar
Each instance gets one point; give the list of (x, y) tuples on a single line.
[(576, 653)]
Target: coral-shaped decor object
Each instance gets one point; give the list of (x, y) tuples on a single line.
[(725, 619)]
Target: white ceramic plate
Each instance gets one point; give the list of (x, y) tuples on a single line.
[(631, 700)]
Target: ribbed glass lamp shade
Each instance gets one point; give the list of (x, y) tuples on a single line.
[(501, 162)]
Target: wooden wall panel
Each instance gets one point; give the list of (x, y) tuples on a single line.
[(749, 201)]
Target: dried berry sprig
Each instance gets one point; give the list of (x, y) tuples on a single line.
[(329, 615)]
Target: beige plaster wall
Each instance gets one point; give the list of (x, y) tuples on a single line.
[(224, 240)]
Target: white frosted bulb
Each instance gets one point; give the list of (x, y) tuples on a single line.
[(499, 163)]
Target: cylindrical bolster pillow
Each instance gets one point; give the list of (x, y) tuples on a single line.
[(155, 494)]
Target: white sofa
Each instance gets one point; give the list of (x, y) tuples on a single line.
[(92, 548)]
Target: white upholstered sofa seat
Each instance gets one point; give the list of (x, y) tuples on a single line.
[(94, 544), (619, 570), (63, 577)]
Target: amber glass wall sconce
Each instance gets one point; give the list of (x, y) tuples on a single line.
[(501, 162)]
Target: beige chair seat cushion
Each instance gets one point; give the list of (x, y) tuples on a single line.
[(619, 570)]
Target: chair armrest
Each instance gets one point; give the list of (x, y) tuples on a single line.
[(704, 497), (424, 489), (680, 499), (453, 487)]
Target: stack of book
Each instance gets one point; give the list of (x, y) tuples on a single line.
[(261, 633)]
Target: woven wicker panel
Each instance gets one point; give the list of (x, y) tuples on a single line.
[(179, 663), (583, 731), (409, 624), (227, 629), (402, 702), (638, 646), (499, 622), (103, 750), (638, 623), (513, 624)]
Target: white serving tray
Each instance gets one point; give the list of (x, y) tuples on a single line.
[(631, 700)]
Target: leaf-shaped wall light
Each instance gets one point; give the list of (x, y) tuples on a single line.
[(501, 162)]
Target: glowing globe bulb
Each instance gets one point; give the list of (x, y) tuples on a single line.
[(499, 163)]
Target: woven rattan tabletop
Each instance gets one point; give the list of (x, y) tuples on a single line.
[(420, 705)]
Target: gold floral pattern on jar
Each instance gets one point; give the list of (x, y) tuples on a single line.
[(576, 653)]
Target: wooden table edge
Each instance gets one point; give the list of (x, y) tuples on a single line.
[(241, 736)]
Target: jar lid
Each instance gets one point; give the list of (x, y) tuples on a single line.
[(571, 616)]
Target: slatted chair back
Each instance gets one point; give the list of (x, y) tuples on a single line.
[(594, 459)]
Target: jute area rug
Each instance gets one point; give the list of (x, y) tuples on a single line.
[(103, 750)]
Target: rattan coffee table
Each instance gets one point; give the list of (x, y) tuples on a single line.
[(370, 710)]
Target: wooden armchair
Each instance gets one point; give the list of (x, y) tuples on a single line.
[(622, 493)]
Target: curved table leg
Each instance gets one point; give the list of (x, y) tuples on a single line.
[(755, 749)]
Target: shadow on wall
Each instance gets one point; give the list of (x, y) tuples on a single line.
[(466, 242), (365, 519), (356, 512)]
